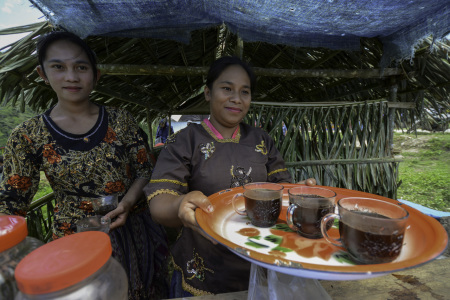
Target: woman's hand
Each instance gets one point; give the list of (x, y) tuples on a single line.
[(126, 204), (120, 214), (309, 182), (186, 211)]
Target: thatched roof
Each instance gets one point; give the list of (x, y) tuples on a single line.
[(153, 77)]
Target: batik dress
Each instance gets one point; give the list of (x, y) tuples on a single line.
[(106, 160), (198, 158)]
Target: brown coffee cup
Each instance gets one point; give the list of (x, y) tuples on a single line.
[(371, 230), (307, 206), (263, 202)]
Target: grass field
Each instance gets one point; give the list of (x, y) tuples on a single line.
[(44, 187), (425, 170)]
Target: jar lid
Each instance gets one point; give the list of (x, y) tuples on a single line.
[(63, 262), (13, 230)]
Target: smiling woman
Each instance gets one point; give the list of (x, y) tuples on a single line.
[(87, 151), (202, 159), (229, 97)]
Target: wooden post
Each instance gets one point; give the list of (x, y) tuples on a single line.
[(150, 131), (239, 48), (392, 98), (158, 70)]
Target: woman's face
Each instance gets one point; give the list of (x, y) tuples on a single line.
[(69, 71), (229, 97)]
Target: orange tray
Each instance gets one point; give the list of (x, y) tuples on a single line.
[(280, 249)]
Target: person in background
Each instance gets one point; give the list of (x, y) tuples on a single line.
[(202, 159), (87, 150), (163, 131), (284, 129)]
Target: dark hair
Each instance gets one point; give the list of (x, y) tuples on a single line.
[(218, 66), (46, 40)]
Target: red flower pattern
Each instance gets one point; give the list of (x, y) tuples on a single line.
[(50, 154), (20, 182), (110, 136), (142, 156), (114, 187)]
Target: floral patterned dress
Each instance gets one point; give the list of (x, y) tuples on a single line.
[(106, 160), (198, 158)]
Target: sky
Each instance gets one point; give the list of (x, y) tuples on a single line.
[(16, 13)]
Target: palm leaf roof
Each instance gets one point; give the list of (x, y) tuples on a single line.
[(153, 76)]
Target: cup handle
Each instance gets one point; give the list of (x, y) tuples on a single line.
[(289, 213), (240, 212), (323, 228)]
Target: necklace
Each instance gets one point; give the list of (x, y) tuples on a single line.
[(84, 138)]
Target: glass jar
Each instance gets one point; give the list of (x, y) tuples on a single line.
[(14, 246), (75, 267)]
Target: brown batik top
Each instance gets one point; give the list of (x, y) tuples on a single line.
[(195, 158)]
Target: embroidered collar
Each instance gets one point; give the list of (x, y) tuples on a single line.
[(217, 133)]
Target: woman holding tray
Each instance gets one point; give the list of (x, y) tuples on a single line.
[(203, 159)]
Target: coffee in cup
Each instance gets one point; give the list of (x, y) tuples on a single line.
[(263, 202), (307, 206), (371, 230)]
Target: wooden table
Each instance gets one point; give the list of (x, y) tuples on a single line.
[(428, 282)]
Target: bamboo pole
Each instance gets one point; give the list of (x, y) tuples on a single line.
[(411, 105), (239, 48), (158, 70), (342, 162), (392, 98), (315, 104)]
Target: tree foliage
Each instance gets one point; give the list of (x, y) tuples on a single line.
[(10, 117)]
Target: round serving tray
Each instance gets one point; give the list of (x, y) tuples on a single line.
[(280, 249)]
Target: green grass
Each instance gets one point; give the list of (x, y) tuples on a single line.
[(425, 170), (44, 187)]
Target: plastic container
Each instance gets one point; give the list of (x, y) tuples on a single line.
[(14, 246), (75, 267)]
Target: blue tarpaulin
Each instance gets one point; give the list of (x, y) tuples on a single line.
[(333, 24), (437, 214)]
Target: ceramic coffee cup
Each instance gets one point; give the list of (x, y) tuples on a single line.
[(263, 202), (307, 206), (371, 230)]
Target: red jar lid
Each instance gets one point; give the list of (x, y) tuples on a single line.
[(63, 262), (13, 230)]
